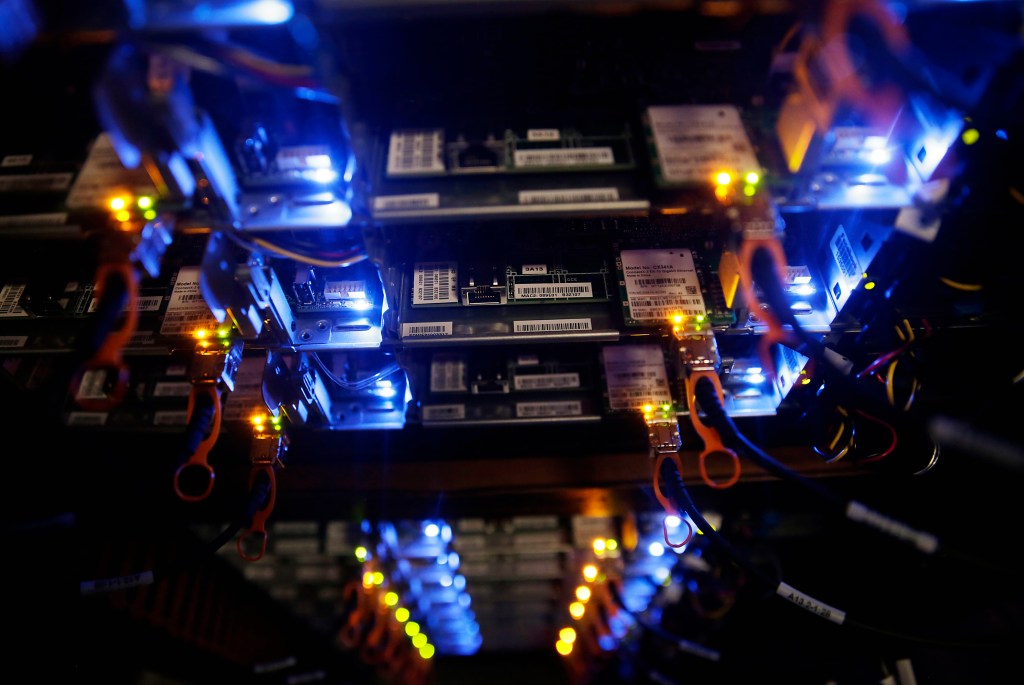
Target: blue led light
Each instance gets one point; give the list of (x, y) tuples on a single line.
[(460, 583), (431, 530), (271, 11), (656, 549), (673, 522), (607, 642), (1001, 135), (318, 161), (321, 176)]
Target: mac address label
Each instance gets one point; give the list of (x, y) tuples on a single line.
[(661, 284)]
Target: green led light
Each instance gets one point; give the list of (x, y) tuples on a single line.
[(666, 407), (700, 318), (144, 202), (427, 651), (419, 640), (752, 178), (749, 190), (401, 614), (391, 599), (970, 136), (412, 628), (361, 553), (149, 214), (223, 332)]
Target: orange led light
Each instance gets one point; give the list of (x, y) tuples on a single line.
[(590, 572), (583, 593)]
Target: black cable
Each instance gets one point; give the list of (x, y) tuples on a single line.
[(257, 498), (199, 423), (673, 483)]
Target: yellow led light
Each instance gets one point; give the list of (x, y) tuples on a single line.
[(752, 178), (870, 285), (412, 628), (599, 543), (567, 635), (576, 610), (805, 381), (368, 579), (749, 190), (612, 544), (583, 593), (590, 572), (361, 553), (391, 599), (647, 410), (723, 178), (117, 204), (677, 318), (419, 640), (970, 136), (427, 651), (149, 214), (144, 202), (564, 648), (223, 332), (123, 215), (200, 333), (258, 419), (378, 578), (700, 318), (401, 614)]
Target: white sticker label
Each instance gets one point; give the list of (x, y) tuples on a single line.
[(103, 176), (49, 219), (635, 376), (247, 397), (546, 381), (87, 418), (543, 134), (926, 542), (411, 153), (16, 160), (385, 203), (533, 410), (170, 418), (10, 296), (565, 156), (300, 157), (435, 283), (9, 341), (661, 284), (447, 374), (550, 291), (552, 326), (695, 142), (568, 196), (142, 304), (845, 258), (172, 389), (187, 309), (444, 412), (36, 183), (141, 338), (412, 330), (812, 605), (91, 385), (541, 269)]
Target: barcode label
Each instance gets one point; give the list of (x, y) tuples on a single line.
[(10, 296), (567, 156), (543, 134), (386, 203), (570, 196), (546, 381), (172, 389), (846, 260), (36, 183), (412, 153), (186, 310), (532, 410), (148, 304), (435, 283), (444, 412), (447, 374), (694, 142), (661, 284), (141, 338), (635, 376), (48, 219), (545, 291), (87, 418), (170, 418), (16, 160), (8, 341), (552, 326), (411, 330)]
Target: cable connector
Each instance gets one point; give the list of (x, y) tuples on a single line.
[(216, 364), (662, 431), (698, 350), (268, 447)]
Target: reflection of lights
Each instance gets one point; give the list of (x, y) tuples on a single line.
[(431, 530), (318, 161), (804, 290), (563, 648), (567, 634), (368, 579), (322, 176), (590, 572), (464, 601), (755, 378), (401, 614), (880, 156), (583, 593), (875, 142), (599, 543), (360, 305), (361, 553), (607, 642), (655, 549), (661, 574), (576, 610)]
